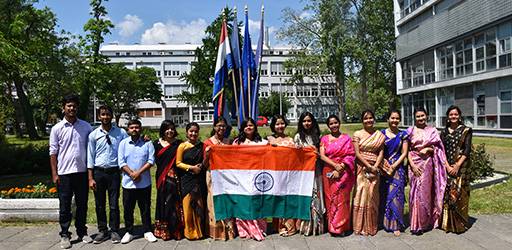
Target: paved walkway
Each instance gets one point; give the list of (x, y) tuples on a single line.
[(488, 232)]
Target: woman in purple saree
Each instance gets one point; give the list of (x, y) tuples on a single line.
[(393, 179), (428, 164)]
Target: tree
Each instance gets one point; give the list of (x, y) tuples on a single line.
[(374, 55), (321, 32), (271, 106), (29, 54), (200, 79), (125, 88), (96, 28), (348, 40)]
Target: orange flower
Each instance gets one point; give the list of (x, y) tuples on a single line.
[(52, 190)]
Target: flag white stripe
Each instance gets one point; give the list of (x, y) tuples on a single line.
[(243, 182)]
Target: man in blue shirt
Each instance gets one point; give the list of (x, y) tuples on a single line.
[(104, 174), (135, 157)]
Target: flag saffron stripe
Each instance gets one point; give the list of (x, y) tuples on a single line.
[(262, 158)]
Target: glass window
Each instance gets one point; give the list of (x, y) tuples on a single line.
[(504, 43), (490, 50)]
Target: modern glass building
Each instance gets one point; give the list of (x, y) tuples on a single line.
[(172, 61), (456, 52)]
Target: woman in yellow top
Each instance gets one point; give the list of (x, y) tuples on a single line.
[(189, 158)]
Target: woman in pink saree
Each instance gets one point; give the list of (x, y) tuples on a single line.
[(337, 151), (428, 163)]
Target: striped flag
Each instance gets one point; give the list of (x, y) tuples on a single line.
[(222, 68), (277, 183)]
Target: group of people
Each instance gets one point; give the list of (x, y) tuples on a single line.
[(359, 181)]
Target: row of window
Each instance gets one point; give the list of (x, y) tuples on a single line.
[(153, 53), (484, 104), (482, 52), (156, 112)]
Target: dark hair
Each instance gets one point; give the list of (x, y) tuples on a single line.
[(216, 121), (105, 107), (70, 98), (167, 124), (420, 109), (314, 131), (393, 111), (331, 117), (132, 122), (242, 136), (274, 121), (191, 124), (452, 107), (367, 111)]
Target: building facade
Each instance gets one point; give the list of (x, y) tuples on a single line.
[(172, 61), (456, 52)]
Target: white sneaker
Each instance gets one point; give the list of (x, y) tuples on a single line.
[(149, 237), (127, 238)]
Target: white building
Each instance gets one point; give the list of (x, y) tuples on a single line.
[(171, 61)]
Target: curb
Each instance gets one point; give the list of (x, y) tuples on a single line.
[(498, 177)]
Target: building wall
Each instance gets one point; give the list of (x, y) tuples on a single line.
[(456, 52), (452, 19)]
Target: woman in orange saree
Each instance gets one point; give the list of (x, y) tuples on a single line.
[(369, 147)]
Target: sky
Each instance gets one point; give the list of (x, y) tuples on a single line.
[(167, 21)]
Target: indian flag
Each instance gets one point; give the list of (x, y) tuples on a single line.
[(253, 182)]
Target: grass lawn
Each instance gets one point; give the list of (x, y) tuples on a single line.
[(490, 200)]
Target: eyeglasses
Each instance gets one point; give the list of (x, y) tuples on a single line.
[(109, 142)]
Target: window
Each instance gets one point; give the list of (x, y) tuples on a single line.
[(407, 110), (479, 52), (430, 104), (504, 42), (464, 99), (176, 69), (203, 115), (264, 69), (490, 50), (446, 62), (406, 75), (445, 99), (486, 103), (127, 53), (277, 68), (158, 73), (506, 103), (154, 112), (464, 57)]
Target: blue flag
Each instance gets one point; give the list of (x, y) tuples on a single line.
[(248, 74)]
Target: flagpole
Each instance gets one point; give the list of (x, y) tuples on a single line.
[(233, 77), (248, 78)]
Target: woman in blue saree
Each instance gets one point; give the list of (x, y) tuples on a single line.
[(393, 179)]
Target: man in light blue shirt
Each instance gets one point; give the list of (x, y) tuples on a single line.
[(135, 158), (104, 174)]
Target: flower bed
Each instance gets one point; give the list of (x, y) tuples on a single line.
[(38, 191), (30, 203)]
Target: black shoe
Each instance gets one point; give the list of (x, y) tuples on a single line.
[(100, 237), (114, 236)]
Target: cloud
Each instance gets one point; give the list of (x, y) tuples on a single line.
[(175, 33), (129, 25), (254, 29)]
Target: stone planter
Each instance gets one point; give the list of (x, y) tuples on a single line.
[(40, 209)]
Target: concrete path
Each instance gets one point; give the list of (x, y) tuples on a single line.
[(487, 232)]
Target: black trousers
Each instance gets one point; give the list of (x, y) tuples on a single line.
[(108, 180), (141, 196), (69, 185)]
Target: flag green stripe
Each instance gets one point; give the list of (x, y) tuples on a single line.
[(250, 207)]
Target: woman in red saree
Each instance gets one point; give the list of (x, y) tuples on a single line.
[(369, 147), (169, 211), (337, 151)]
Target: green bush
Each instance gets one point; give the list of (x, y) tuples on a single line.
[(482, 163), (23, 159)]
